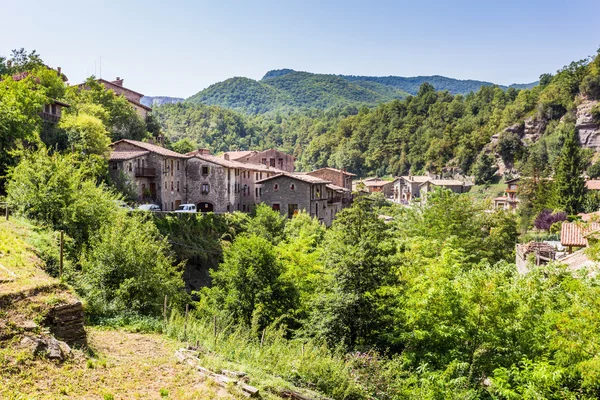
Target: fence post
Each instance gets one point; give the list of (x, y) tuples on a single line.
[(62, 246), (215, 331), (187, 306), (165, 311)]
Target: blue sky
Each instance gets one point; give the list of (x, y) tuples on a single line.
[(177, 48)]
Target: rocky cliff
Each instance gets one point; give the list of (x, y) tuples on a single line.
[(588, 128)]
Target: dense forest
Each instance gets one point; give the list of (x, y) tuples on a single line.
[(288, 90)]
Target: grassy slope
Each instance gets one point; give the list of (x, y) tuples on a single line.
[(117, 363)]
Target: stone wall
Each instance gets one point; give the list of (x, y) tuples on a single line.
[(272, 158), (66, 323), (223, 185)]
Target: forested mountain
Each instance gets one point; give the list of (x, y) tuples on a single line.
[(287, 90), (153, 101), (293, 91)]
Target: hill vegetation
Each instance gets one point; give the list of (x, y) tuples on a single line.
[(288, 90)]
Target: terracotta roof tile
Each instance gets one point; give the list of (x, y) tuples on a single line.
[(300, 177), (574, 234)]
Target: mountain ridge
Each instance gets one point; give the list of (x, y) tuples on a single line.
[(286, 89)]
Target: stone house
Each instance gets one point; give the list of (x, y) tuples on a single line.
[(292, 193), (408, 187), (133, 97), (52, 111), (451, 184), (271, 158), (510, 200), (339, 178), (376, 185), (158, 174), (225, 185)]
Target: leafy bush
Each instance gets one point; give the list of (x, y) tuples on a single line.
[(545, 219), (590, 87)]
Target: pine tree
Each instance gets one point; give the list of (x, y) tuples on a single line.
[(569, 185)]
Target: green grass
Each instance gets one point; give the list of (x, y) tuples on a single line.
[(487, 192), (274, 362)]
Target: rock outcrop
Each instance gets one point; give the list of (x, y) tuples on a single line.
[(588, 128), (533, 129)]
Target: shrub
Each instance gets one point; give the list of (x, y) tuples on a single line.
[(545, 219), (590, 87)]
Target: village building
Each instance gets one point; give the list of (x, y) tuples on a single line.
[(133, 97), (341, 182), (158, 174), (542, 253), (223, 185), (52, 111), (292, 193), (510, 200), (450, 184), (407, 188), (270, 158), (376, 185), (592, 184)]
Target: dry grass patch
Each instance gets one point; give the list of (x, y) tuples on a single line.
[(122, 366)]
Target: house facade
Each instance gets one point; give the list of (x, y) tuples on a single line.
[(376, 185), (408, 187), (450, 184), (134, 98), (271, 158), (292, 193), (158, 174), (341, 182), (510, 200)]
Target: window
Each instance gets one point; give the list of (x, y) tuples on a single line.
[(53, 109), (275, 187), (165, 185), (171, 186), (178, 186), (263, 161), (171, 169), (272, 162), (177, 165), (292, 187), (257, 176), (244, 208), (129, 168), (47, 108), (114, 165), (255, 192), (261, 175), (292, 210), (260, 191), (318, 192), (280, 161), (171, 205), (205, 170), (276, 207), (205, 188)]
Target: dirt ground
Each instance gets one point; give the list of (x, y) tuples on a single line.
[(120, 365)]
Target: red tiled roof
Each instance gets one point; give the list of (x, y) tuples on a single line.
[(592, 184), (574, 234), (236, 155), (235, 164)]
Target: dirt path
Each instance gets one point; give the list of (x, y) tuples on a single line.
[(124, 366)]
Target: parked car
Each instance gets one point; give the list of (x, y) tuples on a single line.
[(186, 208), (149, 207)]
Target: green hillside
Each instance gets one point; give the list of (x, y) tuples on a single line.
[(292, 90)]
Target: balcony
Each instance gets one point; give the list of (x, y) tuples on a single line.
[(49, 117), (335, 199), (143, 172)]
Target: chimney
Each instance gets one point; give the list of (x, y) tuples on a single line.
[(118, 82), (59, 70), (226, 156), (160, 140)]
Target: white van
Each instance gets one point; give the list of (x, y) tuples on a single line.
[(186, 208)]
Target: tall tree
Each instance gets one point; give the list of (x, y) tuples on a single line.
[(569, 184)]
